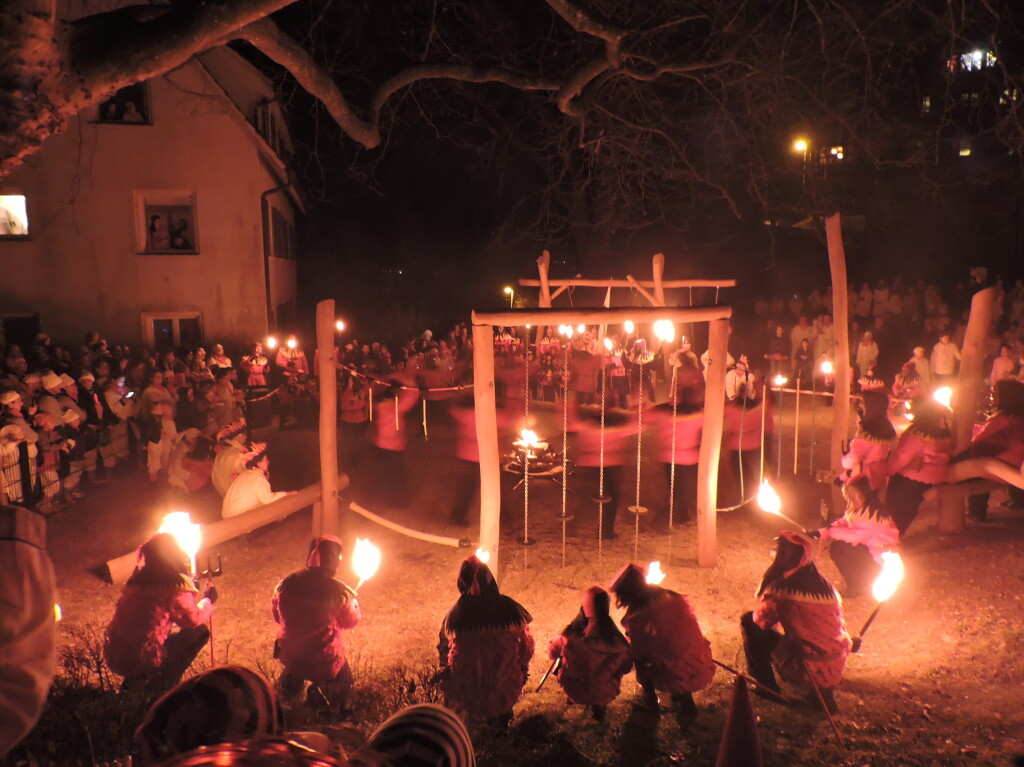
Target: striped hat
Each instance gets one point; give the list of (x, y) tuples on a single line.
[(220, 705), (425, 735)]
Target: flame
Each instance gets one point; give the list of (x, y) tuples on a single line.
[(780, 380), (887, 581), (943, 395), (768, 499), (826, 367), (581, 328), (565, 330), (483, 556), (189, 536), (655, 574), (528, 438), (365, 559), (608, 343), (271, 342), (57, 614), (292, 343), (665, 331), (628, 326)]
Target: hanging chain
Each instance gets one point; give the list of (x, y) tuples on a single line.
[(565, 441), (526, 460), (639, 447), (672, 468)]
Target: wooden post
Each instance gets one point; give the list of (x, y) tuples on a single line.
[(487, 440), (658, 268), (965, 398), (841, 363), (544, 299), (325, 319), (711, 445)]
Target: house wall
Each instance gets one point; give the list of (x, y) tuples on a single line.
[(82, 267)]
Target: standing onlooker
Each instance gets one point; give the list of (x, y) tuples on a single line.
[(867, 354), (255, 366), (945, 356), (1003, 366), (920, 363)]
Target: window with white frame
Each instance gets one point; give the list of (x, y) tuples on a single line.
[(13, 216), (166, 223), (170, 330)]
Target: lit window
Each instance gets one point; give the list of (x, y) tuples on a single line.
[(836, 152), (13, 215), (166, 223), (926, 105), (129, 106), (977, 59), (965, 148)]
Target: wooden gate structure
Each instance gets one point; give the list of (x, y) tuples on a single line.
[(717, 316)]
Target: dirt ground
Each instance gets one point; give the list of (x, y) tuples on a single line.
[(939, 681)]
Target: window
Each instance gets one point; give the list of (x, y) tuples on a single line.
[(166, 223), (13, 216), (129, 105), (977, 59), (926, 105), (283, 234), (170, 330)]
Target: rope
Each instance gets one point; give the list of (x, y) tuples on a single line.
[(442, 540), (268, 395), (672, 469), (565, 442), (425, 435), (600, 474), (383, 382), (639, 446), (526, 459)]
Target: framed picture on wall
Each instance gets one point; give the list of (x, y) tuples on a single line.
[(167, 223), (130, 105)]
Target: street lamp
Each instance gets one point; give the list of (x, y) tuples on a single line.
[(511, 296), (339, 325), (801, 146)]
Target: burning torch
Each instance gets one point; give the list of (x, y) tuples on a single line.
[(770, 502), (884, 587), (365, 561)]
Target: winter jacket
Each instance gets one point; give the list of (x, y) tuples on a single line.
[(313, 608), (249, 489), (666, 643)]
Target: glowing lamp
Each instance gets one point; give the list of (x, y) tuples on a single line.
[(665, 331), (292, 343), (944, 396), (483, 556), (189, 536), (608, 343), (507, 290), (581, 328), (826, 367), (339, 325), (780, 380), (800, 145), (365, 560), (628, 326), (889, 579), (655, 574), (272, 342)]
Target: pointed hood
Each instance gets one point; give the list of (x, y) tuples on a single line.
[(741, 746), (325, 551), (482, 606), (793, 573)]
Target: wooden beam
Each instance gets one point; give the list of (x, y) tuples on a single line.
[(226, 529), (487, 440), (711, 445), (544, 299), (559, 292), (598, 315), (328, 517), (841, 363), (635, 284), (968, 392), (577, 282), (658, 267)]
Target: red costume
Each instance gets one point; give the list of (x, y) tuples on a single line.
[(484, 646), (668, 648), (920, 460), (158, 596), (869, 450), (796, 596), (593, 654), (860, 537), (313, 608)]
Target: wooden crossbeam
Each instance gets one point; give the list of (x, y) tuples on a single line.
[(579, 282), (598, 315)]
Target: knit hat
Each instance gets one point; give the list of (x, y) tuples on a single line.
[(425, 735), (70, 416), (9, 397), (741, 746), (595, 605), (66, 380), (257, 451), (51, 380), (323, 549), (87, 376), (216, 706)]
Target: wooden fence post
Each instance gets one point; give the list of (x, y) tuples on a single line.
[(328, 521), (487, 441), (711, 445)]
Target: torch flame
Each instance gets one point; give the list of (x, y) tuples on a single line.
[(769, 500), (780, 380), (608, 343), (272, 342), (581, 328), (189, 536), (887, 581), (943, 395), (365, 560), (655, 574), (628, 326), (483, 556), (57, 615), (292, 343), (826, 367), (528, 438), (665, 331)]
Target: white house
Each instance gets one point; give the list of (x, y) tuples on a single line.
[(165, 216)]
